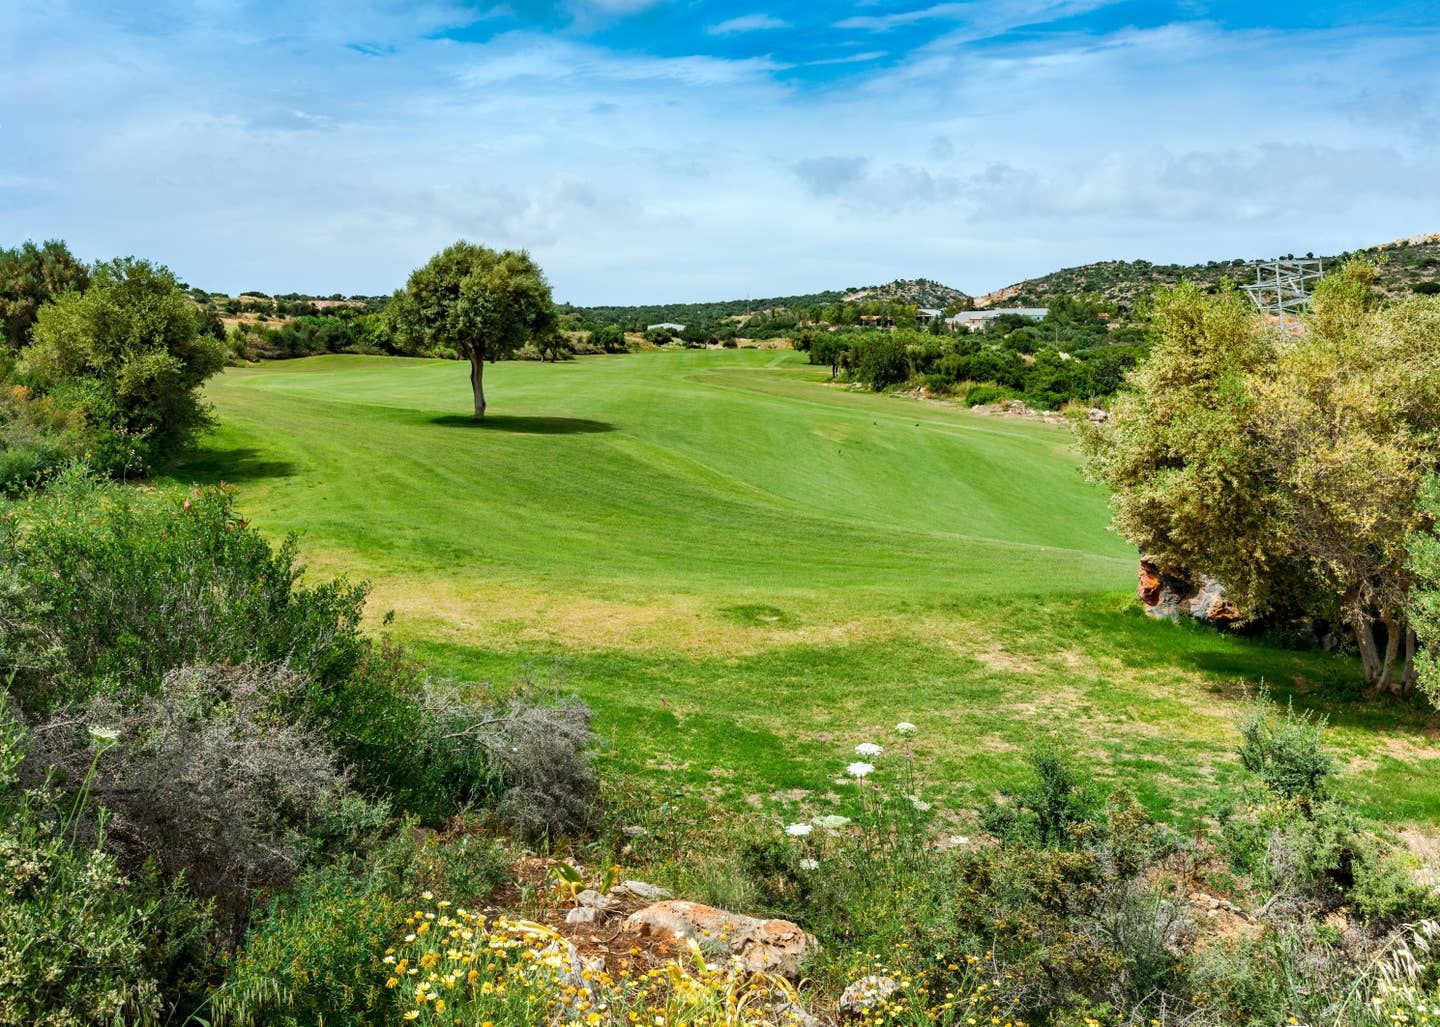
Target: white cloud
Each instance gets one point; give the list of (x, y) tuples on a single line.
[(856, 58), (748, 23), (636, 177)]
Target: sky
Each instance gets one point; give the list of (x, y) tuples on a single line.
[(649, 151)]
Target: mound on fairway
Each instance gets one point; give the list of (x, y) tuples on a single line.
[(679, 485), (746, 570)]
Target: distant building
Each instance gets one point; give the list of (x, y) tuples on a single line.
[(979, 320), (927, 314), (667, 325)]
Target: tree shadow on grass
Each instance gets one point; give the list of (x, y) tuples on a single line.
[(242, 464), (518, 425)]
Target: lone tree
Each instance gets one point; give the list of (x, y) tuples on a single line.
[(472, 300)]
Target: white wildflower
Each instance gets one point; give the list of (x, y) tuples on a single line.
[(833, 821), (860, 769), (809, 864), (959, 839), (798, 830), (905, 727), (868, 749), (920, 804)]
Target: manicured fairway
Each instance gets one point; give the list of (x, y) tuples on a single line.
[(747, 570)]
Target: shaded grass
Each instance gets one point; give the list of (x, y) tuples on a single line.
[(746, 573)]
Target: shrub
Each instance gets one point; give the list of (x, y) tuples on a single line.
[(530, 757), (1285, 755), (1048, 812), (204, 778), (82, 943), (983, 395), (131, 343), (37, 435), (111, 586), (883, 361), (312, 956)]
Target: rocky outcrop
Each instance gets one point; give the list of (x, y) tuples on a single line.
[(774, 946), (1168, 597)]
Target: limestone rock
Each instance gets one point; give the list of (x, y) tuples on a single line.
[(592, 899), (775, 946), (865, 994), (583, 915), (641, 890)]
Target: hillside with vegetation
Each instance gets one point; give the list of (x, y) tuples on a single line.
[(1410, 265), (919, 292)]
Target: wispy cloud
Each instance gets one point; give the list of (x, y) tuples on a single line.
[(886, 22), (748, 23), (854, 58)]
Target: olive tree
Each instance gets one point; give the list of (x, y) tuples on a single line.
[(1290, 468), (476, 302)]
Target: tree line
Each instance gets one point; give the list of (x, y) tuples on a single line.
[(1074, 354)]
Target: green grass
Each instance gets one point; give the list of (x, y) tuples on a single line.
[(747, 571)]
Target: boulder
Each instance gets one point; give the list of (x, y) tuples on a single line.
[(583, 915), (775, 946), (865, 994), (1167, 596)]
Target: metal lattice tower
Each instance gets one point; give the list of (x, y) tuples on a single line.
[(1281, 290)]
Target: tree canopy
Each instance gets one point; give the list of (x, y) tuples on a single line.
[(30, 276), (1290, 468), (478, 303), (128, 353)]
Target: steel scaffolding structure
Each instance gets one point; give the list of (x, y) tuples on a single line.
[(1281, 290)]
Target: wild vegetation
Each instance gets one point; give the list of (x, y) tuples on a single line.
[(1073, 354)]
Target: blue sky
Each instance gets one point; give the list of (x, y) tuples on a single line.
[(672, 150)]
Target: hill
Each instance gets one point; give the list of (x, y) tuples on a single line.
[(1411, 264), (920, 291)]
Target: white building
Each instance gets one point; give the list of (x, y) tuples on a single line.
[(668, 325), (979, 320)]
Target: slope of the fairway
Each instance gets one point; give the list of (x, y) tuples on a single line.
[(745, 571), (704, 481)]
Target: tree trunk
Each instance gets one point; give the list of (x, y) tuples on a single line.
[(1364, 629), (1411, 679), (1386, 682), (477, 383)]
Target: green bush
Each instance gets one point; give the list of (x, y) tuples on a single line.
[(128, 352), (37, 435), (883, 361), (314, 956), (109, 586), (984, 395), (1286, 755)]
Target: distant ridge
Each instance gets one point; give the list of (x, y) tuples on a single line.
[(1404, 264), (920, 291)]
